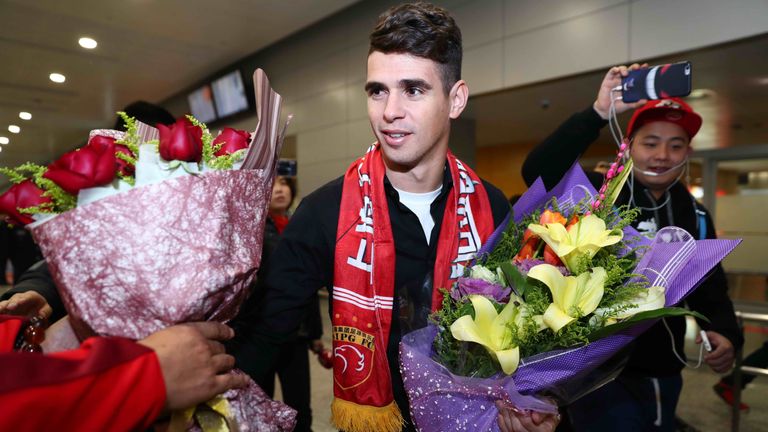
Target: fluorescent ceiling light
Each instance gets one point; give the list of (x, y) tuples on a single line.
[(87, 43), (4, 140), (14, 129), (25, 115), (57, 77)]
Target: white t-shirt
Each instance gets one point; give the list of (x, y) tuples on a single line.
[(419, 204)]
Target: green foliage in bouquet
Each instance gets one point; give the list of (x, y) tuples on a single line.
[(61, 200), (624, 298), (223, 162), (131, 141)]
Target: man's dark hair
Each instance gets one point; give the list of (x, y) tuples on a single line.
[(422, 30), (145, 112)]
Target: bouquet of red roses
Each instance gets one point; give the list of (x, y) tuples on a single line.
[(149, 228)]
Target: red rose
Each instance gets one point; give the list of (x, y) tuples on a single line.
[(21, 195), (233, 140), (93, 165), (122, 166), (181, 141)]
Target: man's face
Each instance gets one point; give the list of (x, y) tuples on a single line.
[(408, 109), (657, 147)]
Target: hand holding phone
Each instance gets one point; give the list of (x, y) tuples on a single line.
[(657, 82)]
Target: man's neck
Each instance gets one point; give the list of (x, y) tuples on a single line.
[(657, 193), (419, 179)]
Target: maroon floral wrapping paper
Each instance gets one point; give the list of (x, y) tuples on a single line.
[(177, 251), (182, 250), (273, 416)]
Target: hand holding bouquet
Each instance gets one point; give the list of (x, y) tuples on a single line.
[(553, 296)]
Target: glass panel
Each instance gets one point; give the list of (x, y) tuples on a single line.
[(741, 198)]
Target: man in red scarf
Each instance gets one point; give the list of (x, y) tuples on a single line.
[(112, 383), (400, 224)]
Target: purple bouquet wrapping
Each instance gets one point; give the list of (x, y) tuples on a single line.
[(443, 400)]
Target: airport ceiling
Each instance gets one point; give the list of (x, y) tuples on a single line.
[(147, 49)]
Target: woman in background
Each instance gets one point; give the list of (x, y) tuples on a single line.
[(292, 365)]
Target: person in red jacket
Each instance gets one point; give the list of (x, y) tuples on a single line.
[(112, 383)]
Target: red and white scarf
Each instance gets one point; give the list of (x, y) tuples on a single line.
[(364, 283)]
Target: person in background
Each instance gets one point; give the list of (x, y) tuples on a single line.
[(644, 397), (292, 368), (406, 199), (724, 388), (18, 248), (112, 383)]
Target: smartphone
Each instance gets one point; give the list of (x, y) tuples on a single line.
[(657, 82)]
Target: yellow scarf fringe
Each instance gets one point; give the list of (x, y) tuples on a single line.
[(215, 417), (351, 417)]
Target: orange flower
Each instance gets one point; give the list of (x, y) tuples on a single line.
[(549, 217)]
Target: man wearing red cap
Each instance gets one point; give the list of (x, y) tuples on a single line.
[(645, 395)]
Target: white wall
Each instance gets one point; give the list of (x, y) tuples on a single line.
[(733, 222), (507, 43)]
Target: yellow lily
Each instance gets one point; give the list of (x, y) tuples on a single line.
[(571, 295), (585, 237), (650, 299), (491, 329)]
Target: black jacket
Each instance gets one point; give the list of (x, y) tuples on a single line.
[(652, 355), (17, 245), (303, 263), (312, 326), (38, 278)]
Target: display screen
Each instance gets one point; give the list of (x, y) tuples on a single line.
[(229, 94), (201, 104)]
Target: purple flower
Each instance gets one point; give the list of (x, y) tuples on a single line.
[(527, 264), (469, 286)]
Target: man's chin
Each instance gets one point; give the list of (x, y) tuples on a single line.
[(656, 182)]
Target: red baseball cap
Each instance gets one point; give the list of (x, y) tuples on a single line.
[(672, 110)]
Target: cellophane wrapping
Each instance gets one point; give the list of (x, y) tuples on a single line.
[(441, 400)]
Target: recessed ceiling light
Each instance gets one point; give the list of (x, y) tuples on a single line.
[(4, 140), (57, 77), (14, 129), (25, 115), (87, 43)]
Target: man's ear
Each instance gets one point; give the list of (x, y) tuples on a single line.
[(458, 97)]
